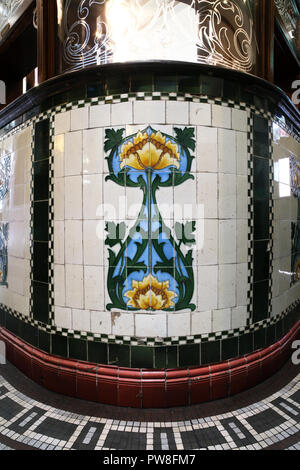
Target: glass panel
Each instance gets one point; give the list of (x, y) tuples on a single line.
[(217, 32), (7, 10)]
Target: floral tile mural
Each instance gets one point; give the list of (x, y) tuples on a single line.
[(295, 188), (3, 253), (150, 270), (5, 168)]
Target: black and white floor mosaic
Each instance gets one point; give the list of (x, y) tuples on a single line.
[(257, 426)]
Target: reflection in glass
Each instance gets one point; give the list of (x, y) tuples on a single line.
[(217, 32)]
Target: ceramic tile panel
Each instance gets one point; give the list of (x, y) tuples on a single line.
[(175, 274), (15, 165)]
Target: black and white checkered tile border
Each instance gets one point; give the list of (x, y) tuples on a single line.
[(51, 221), (254, 427), (145, 96), (31, 223), (272, 216), (250, 221)]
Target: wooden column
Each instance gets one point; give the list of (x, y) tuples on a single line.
[(46, 38), (265, 20)]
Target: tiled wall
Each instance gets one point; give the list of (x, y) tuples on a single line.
[(57, 245), (285, 287), (219, 172), (15, 162)]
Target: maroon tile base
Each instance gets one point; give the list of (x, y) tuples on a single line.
[(141, 388)]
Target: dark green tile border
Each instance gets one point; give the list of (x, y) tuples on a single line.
[(159, 357)]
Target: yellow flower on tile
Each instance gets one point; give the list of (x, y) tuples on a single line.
[(149, 152), (150, 293)]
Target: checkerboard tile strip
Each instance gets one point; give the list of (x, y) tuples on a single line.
[(31, 224), (51, 220), (250, 220), (272, 216)]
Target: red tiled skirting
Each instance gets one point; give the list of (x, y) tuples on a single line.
[(141, 388)]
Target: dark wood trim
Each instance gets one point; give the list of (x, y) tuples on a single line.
[(46, 19), (265, 17)]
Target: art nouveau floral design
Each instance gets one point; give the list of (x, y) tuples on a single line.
[(5, 168), (150, 272), (295, 188), (3, 253)]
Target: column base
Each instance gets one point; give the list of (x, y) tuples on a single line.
[(142, 388)]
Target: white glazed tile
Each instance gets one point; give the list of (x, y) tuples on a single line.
[(284, 238), (241, 284), (59, 156), (93, 154), (17, 203), (101, 322), (238, 317), (22, 139), (18, 166), (73, 242), (200, 114), (122, 324), (16, 239), (201, 323), (208, 253), (179, 324), (227, 196), (227, 151), (93, 242), (227, 286), (207, 149), (92, 196), (241, 153), (73, 153), (81, 320), (100, 115), (242, 199), (80, 118), (62, 123), (154, 326), (221, 116), (221, 320), (242, 241), (93, 288), (284, 274), (16, 275), (122, 113), (63, 317), (149, 112), (227, 241), (59, 242), (185, 200), (59, 199), (177, 112), (73, 197), (74, 286), (207, 287), (59, 285), (207, 189), (239, 120)]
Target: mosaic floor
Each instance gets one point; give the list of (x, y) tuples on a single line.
[(265, 417)]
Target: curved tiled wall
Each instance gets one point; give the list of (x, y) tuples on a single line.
[(208, 273)]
